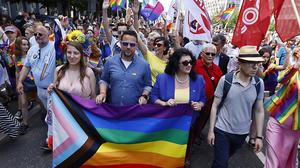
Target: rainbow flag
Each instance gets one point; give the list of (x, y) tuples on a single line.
[(152, 12), (227, 13), (89, 135), (285, 102), (117, 4)]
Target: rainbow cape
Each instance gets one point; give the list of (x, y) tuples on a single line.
[(285, 102), (89, 135)]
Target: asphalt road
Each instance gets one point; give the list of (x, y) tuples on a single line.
[(24, 151)]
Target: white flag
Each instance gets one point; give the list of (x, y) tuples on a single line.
[(197, 25), (173, 9)]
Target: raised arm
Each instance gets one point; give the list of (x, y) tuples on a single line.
[(135, 9), (105, 21), (141, 44)]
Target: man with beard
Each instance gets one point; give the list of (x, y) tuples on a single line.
[(127, 75)]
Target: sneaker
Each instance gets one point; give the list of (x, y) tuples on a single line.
[(18, 115), (45, 147), (23, 129)]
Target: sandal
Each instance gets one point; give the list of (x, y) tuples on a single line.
[(251, 142)]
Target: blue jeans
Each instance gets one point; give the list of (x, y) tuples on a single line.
[(226, 145)]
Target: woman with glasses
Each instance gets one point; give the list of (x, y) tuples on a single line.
[(158, 58), (180, 84)]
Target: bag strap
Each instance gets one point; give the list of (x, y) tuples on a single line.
[(257, 88), (226, 87)]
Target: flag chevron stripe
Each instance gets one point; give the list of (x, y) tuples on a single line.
[(135, 157), (129, 137), (165, 146), (158, 147), (76, 136), (89, 148), (123, 112), (144, 124)]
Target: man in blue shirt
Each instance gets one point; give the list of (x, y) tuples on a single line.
[(126, 75)]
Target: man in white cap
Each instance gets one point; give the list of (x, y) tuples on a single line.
[(237, 96)]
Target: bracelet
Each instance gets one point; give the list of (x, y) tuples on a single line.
[(259, 137)]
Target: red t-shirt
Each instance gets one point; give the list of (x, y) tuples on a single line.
[(215, 73)]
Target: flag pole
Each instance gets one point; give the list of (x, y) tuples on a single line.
[(296, 12), (178, 13)]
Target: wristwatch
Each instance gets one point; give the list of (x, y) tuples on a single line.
[(259, 137), (145, 96)]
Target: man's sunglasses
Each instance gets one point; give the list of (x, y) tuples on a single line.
[(38, 34), (157, 44), (208, 53), (126, 44), (186, 63)]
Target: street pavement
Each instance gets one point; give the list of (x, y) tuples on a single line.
[(25, 152)]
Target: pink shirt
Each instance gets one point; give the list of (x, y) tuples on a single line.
[(75, 87)]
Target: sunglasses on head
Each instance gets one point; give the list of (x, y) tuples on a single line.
[(157, 44), (208, 53), (38, 34), (126, 44), (186, 62)]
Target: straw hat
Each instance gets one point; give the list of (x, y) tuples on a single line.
[(249, 53)]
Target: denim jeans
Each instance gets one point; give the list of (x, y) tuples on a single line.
[(225, 146)]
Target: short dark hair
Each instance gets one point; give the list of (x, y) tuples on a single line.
[(166, 43), (130, 33), (265, 49), (219, 37), (172, 66)]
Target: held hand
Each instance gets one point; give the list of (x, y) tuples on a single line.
[(197, 106), (101, 98), (171, 102), (142, 100), (258, 145), (50, 87), (20, 88), (105, 4), (211, 138)]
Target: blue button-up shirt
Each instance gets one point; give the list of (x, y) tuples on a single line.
[(126, 85)]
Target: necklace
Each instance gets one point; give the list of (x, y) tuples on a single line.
[(181, 81)]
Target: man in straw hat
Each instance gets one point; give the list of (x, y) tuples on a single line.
[(237, 95)]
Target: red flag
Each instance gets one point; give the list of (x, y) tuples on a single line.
[(252, 23), (287, 26)]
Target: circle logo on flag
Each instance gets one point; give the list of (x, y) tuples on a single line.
[(250, 16)]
